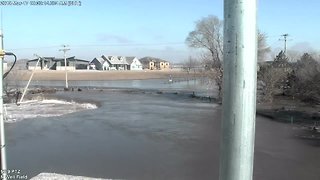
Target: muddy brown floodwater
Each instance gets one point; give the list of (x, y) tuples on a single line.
[(147, 135)]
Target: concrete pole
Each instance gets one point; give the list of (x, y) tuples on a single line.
[(285, 45), (65, 68), (65, 63), (2, 132), (239, 97)]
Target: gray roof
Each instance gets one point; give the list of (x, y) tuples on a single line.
[(114, 60), (100, 59), (58, 59), (130, 59), (123, 60)]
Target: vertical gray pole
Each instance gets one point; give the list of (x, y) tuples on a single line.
[(2, 132), (65, 63), (285, 45), (65, 67), (239, 98)]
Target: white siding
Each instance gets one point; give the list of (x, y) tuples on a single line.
[(69, 68), (136, 65), (105, 66)]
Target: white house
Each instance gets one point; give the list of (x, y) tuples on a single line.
[(124, 64), (133, 63), (114, 62)]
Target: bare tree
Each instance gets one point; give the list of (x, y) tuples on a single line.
[(208, 36), (263, 48)]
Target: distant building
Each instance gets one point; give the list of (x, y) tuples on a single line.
[(52, 63), (133, 63), (115, 63), (162, 65), (124, 64), (154, 63), (96, 64)]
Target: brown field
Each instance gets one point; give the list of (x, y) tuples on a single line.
[(95, 75)]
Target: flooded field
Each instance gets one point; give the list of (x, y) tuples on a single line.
[(178, 84), (143, 134)]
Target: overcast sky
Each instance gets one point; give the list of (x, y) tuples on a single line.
[(143, 27)]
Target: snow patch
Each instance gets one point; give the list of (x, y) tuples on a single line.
[(43, 108), (54, 176)]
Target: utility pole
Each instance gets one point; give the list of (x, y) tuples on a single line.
[(3, 156), (239, 95), (2, 30), (65, 49), (2, 132), (285, 42)]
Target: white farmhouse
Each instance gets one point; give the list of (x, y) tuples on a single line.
[(115, 63), (133, 63)]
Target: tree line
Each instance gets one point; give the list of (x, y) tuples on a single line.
[(299, 79)]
